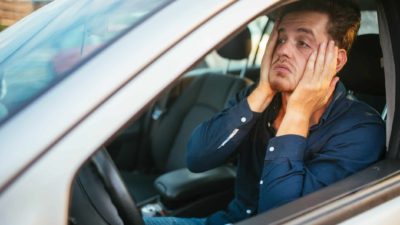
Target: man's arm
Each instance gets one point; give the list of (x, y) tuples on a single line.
[(216, 140), (262, 96), (286, 176)]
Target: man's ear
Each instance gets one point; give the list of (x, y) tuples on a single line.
[(341, 59)]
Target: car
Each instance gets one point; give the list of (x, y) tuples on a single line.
[(82, 80)]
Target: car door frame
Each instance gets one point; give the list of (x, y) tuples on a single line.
[(51, 163)]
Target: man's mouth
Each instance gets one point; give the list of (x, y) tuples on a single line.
[(281, 68)]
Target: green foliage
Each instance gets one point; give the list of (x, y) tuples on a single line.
[(2, 27)]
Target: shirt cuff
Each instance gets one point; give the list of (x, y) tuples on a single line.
[(243, 114), (286, 146)]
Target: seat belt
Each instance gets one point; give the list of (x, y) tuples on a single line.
[(384, 113), (150, 122), (160, 107)]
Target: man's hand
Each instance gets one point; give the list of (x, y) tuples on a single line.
[(260, 98), (318, 81), (313, 91)]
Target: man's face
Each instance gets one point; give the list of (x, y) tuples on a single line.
[(299, 34)]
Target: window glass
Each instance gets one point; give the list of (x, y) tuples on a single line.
[(31, 62), (369, 23), (214, 61)]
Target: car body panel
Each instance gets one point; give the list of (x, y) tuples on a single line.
[(101, 96), (103, 110), (386, 213), (92, 83)]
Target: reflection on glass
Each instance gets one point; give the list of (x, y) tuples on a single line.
[(51, 44)]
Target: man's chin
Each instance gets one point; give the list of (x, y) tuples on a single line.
[(280, 82), (279, 87)]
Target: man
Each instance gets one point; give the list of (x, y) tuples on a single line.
[(296, 131)]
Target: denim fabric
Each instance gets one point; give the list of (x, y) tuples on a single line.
[(173, 221)]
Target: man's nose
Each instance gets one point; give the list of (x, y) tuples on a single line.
[(284, 49)]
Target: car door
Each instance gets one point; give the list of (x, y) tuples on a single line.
[(41, 153)]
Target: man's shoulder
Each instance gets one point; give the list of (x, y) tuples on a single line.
[(246, 91), (354, 123), (353, 112)]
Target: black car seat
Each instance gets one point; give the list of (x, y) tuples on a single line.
[(363, 74), (203, 96)]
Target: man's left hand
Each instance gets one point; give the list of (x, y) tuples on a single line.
[(312, 92), (318, 82)]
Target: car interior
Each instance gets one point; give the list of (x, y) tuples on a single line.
[(170, 125), (150, 177)]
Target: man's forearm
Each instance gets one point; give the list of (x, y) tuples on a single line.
[(215, 140)]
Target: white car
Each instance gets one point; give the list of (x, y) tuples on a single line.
[(80, 75)]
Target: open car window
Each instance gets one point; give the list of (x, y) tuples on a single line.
[(214, 62), (259, 36), (215, 65)]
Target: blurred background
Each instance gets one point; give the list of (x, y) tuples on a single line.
[(13, 10)]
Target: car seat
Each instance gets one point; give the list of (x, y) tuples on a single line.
[(363, 74), (203, 96)]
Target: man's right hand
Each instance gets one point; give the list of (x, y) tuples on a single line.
[(261, 97)]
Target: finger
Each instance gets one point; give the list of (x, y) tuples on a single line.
[(320, 63), (335, 58), (309, 70), (330, 52), (267, 58), (331, 60), (271, 42)]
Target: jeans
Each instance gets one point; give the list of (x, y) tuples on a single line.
[(173, 221)]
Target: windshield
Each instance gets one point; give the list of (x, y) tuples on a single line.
[(44, 47)]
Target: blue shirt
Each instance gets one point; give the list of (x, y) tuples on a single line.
[(273, 170)]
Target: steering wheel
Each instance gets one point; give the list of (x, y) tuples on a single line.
[(100, 195)]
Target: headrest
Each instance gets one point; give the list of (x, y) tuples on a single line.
[(363, 72), (239, 47)]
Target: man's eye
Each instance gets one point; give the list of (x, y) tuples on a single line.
[(280, 41), (303, 44)]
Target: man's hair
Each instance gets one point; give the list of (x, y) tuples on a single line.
[(344, 18)]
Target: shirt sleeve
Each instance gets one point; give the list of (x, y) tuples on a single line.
[(286, 175), (214, 141)]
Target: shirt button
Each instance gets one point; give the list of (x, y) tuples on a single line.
[(248, 211), (261, 182), (269, 124), (271, 149), (243, 119)]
